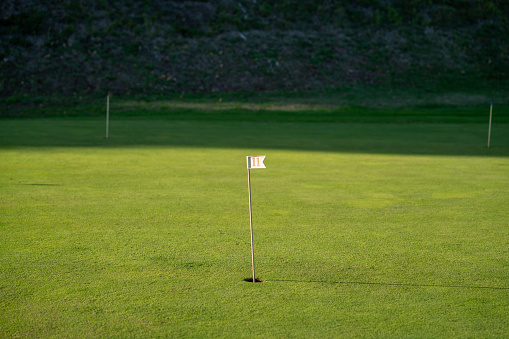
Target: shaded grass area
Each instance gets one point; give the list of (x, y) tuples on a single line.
[(373, 138), (346, 105), (361, 229)]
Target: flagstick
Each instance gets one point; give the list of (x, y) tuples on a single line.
[(489, 128), (107, 114), (253, 162), (251, 221)]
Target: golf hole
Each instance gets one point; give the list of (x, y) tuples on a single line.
[(251, 280)]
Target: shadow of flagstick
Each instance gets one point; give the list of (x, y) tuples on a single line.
[(388, 284)]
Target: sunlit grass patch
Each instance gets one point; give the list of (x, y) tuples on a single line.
[(360, 228)]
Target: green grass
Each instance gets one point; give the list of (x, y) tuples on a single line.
[(376, 104), (361, 229)]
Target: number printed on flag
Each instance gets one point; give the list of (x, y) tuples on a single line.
[(256, 161)]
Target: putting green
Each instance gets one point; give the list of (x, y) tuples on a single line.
[(361, 230)]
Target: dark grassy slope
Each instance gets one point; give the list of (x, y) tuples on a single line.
[(162, 47)]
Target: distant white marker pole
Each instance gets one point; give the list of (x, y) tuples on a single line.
[(489, 127), (107, 114), (253, 162)]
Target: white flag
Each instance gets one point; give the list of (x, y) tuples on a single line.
[(255, 161)]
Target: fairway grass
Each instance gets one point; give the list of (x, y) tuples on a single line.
[(361, 229)]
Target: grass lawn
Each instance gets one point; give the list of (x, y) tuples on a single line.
[(361, 229)]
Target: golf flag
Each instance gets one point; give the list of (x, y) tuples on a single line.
[(255, 161)]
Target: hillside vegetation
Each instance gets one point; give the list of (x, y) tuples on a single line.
[(173, 47)]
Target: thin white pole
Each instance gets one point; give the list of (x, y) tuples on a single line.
[(489, 128), (251, 222), (107, 114)]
